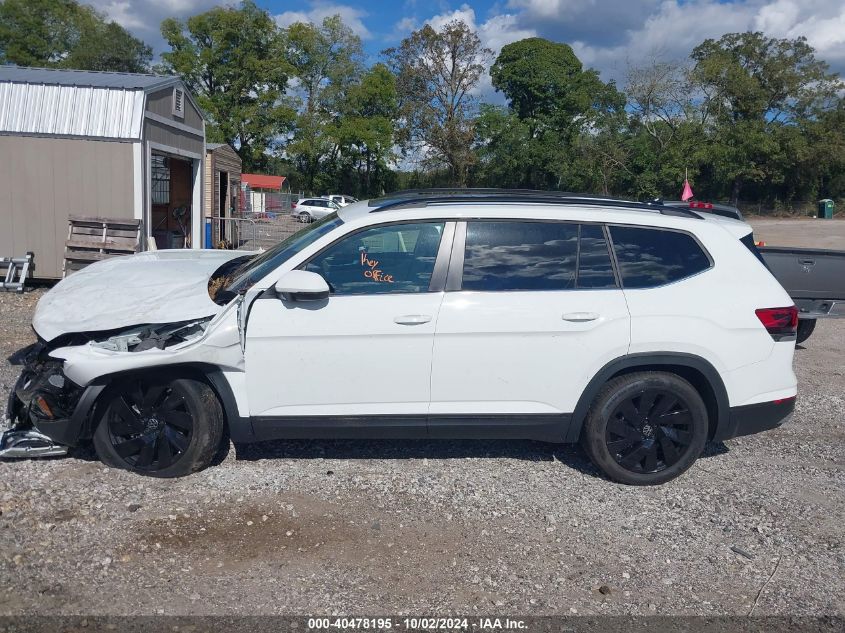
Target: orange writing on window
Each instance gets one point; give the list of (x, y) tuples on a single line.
[(371, 270)]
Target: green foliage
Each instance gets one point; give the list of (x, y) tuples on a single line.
[(761, 92), (233, 60), (559, 116), (326, 61), (66, 34), (364, 132), (746, 116)]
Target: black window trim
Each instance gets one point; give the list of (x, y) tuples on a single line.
[(617, 284), (610, 225), (441, 261), (454, 280)]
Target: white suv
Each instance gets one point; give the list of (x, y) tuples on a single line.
[(310, 209), (638, 329)]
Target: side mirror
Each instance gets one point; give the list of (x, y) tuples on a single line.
[(302, 285)]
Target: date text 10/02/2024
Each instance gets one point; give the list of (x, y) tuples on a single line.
[(417, 624)]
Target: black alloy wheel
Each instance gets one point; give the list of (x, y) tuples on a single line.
[(650, 431), (150, 426), (645, 428), (159, 426)]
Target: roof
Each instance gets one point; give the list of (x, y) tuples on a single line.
[(421, 197), (87, 78), (463, 202), (77, 103), (260, 181)]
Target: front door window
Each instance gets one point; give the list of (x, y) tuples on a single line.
[(396, 258)]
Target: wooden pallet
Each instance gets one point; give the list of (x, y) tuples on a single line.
[(92, 239)]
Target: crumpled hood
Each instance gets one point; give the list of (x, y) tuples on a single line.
[(152, 287)]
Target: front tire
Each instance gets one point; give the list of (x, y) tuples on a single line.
[(159, 426), (645, 428)]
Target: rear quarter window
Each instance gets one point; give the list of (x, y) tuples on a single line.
[(650, 257)]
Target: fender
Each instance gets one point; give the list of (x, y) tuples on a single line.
[(80, 425), (655, 361)]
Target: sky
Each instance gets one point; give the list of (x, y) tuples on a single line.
[(608, 35)]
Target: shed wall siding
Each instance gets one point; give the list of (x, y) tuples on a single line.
[(161, 103), (157, 133), (224, 159), (52, 178)]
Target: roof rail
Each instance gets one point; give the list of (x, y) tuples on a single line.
[(422, 197)]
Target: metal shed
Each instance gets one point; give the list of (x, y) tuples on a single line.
[(115, 145)]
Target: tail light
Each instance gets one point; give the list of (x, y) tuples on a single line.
[(700, 205), (293, 205), (779, 322)]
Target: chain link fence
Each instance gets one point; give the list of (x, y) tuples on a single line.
[(261, 220)]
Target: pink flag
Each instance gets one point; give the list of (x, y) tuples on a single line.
[(687, 193)]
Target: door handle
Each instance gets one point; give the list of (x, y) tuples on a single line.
[(580, 317), (412, 319)]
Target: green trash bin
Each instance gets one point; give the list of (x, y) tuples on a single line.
[(826, 209)]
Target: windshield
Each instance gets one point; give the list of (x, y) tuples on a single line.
[(262, 264)]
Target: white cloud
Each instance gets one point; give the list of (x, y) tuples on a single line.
[(611, 36), (607, 35), (318, 11), (405, 25), (123, 14), (823, 25), (143, 17)]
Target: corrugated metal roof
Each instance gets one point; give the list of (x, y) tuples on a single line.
[(79, 78), (260, 181), (27, 108)]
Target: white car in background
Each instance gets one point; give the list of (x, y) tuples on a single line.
[(310, 209), (341, 200)]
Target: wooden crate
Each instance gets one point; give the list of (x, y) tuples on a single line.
[(92, 239)]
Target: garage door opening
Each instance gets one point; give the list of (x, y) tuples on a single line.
[(171, 191)]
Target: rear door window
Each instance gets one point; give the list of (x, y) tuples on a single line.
[(511, 255), (650, 257)]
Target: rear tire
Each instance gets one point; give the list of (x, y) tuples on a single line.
[(645, 428), (159, 426), (805, 328)]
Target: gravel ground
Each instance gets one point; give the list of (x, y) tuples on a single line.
[(435, 528), (800, 232)]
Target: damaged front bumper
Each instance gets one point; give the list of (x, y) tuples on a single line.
[(46, 411)]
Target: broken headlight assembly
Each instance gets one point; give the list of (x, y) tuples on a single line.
[(144, 337)]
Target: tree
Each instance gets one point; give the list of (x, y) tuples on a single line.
[(233, 61), (66, 34), (325, 59), (758, 86), (364, 131), (436, 74), (546, 85), (552, 103)]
